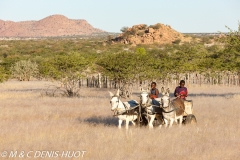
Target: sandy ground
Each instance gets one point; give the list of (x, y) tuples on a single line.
[(83, 128)]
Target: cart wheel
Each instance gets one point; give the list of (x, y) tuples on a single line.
[(190, 119), (143, 122)]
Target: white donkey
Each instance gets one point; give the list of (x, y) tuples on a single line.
[(172, 110), (152, 111), (123, 109)]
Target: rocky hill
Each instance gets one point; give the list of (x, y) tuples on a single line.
[(52, 26), (143, 34)]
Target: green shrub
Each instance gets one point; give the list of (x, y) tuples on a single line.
[(3, 74), (177, 41), (206, 40), (140, 33), (156, 26), (124, 29)]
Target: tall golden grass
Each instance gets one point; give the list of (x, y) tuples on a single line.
[(31, 122)]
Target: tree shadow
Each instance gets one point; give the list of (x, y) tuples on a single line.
[(99, 120)]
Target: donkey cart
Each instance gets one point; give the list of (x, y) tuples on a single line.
[(188, 117), (145, 112)]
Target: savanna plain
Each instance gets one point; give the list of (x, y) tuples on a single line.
[(30, 121)]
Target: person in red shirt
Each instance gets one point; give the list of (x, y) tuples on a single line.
[(181, 91)]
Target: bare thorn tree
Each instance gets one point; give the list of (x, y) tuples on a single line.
[(25, 69)]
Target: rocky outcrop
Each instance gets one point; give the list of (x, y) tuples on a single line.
[(52, 26), (143, 34)]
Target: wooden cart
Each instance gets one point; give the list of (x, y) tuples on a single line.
[(188, 117)]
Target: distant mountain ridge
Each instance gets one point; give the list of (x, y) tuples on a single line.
[(51, 26)]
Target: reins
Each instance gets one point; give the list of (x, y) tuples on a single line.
[(169, 103), (118, 111)]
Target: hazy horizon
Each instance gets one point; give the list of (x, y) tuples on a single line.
[(183, 16)]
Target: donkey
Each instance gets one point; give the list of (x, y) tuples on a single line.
[(123, 109), (172, 110), (152, 111)]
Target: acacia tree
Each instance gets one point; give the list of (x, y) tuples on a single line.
[(231, 53), (67, 68), (230, 56), (61, 66), (129, 66), (118, 66)]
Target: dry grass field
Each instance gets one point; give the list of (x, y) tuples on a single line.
[(31, 122)]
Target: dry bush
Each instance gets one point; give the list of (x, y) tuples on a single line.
[(24, 70), (31, 122), (67, 87)]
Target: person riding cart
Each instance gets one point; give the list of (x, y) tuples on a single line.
[(181, 91), (154, 93)]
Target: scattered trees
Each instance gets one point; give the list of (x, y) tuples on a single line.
[(61, 59)]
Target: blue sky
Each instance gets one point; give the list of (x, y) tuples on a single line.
[(111, 15)]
